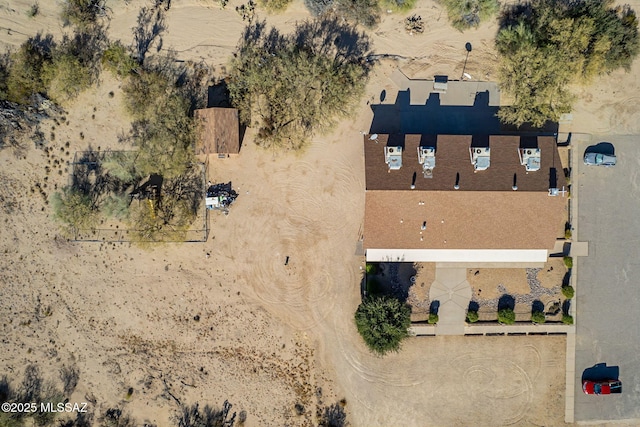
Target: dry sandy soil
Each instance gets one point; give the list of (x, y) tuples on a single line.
[(227, 319)]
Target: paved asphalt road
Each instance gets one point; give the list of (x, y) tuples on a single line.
[(608, 287)]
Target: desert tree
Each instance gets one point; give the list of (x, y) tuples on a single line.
[(274, 6), (545, 46), (383, 322), (291, 86), (118, 60), (465, 14), (25, 68), (74, 210)]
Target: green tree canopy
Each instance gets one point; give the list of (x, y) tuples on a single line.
[(545, 45), (465, 14), (383, 322), (291, 87)]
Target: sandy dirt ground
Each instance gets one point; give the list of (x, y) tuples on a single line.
[(227, 319)]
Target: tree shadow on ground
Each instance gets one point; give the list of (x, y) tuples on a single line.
[(150, 26), (506, 301), (537, 306)]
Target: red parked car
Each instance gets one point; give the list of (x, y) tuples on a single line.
[(602, 387)]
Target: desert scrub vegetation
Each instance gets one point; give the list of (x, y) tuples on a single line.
[(364, 12), (74, 210), (118, 59), (291, 87), (383, 322), (545, 45), (465, 14), (82, 13), (274, 6), (538, 317)]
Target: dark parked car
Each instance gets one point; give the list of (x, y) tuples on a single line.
[(602, 387), (599, 159)]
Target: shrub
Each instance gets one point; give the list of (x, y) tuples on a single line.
[(82, 13), (383, 322), (116, 206), (537, 317), (371, 268), (472, 316), (26, 67), (567, 234), (568, 291), (364, 12), (274, 5), (65, 77), (74, 210), (567, 319), (464, 14), (398, 5), (506, 316), (433, 318), (318, 7), (414, 24), (34, 10), (568, 262), (290, 87), (117, 59)]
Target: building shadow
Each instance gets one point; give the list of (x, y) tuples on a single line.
[(601, 372), (433, 117)]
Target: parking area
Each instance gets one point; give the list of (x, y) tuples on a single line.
[(608, 287)]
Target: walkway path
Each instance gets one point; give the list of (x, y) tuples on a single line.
[(453, 292)]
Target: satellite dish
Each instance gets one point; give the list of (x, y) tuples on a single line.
[(528, 151), (373, 137), (391, 150)]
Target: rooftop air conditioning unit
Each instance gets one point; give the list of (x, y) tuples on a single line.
[(480, 158), (530, 158), (427, 158), (393, 157)]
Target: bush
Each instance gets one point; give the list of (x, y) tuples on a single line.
[(544, 45), (567, 319), (34, 10), (433, 318), (371, 268), (25, 68), (506, 316), (291, 87), (117, 59), (398, 5), (82, 13), (414, 24), (74, 210), (274, 5), (567, 234), (568, 291), (383, 322), (472, 316), (364, 12), (65, 77), (537, 317), (318, 7), (465, 14), (568, 262)]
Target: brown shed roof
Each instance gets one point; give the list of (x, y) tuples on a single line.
[(453, 162), (462, 219), (218, 131)]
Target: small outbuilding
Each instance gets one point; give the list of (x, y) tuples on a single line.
[(218, 131)]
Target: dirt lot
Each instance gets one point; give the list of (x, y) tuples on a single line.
[(227, 319)]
